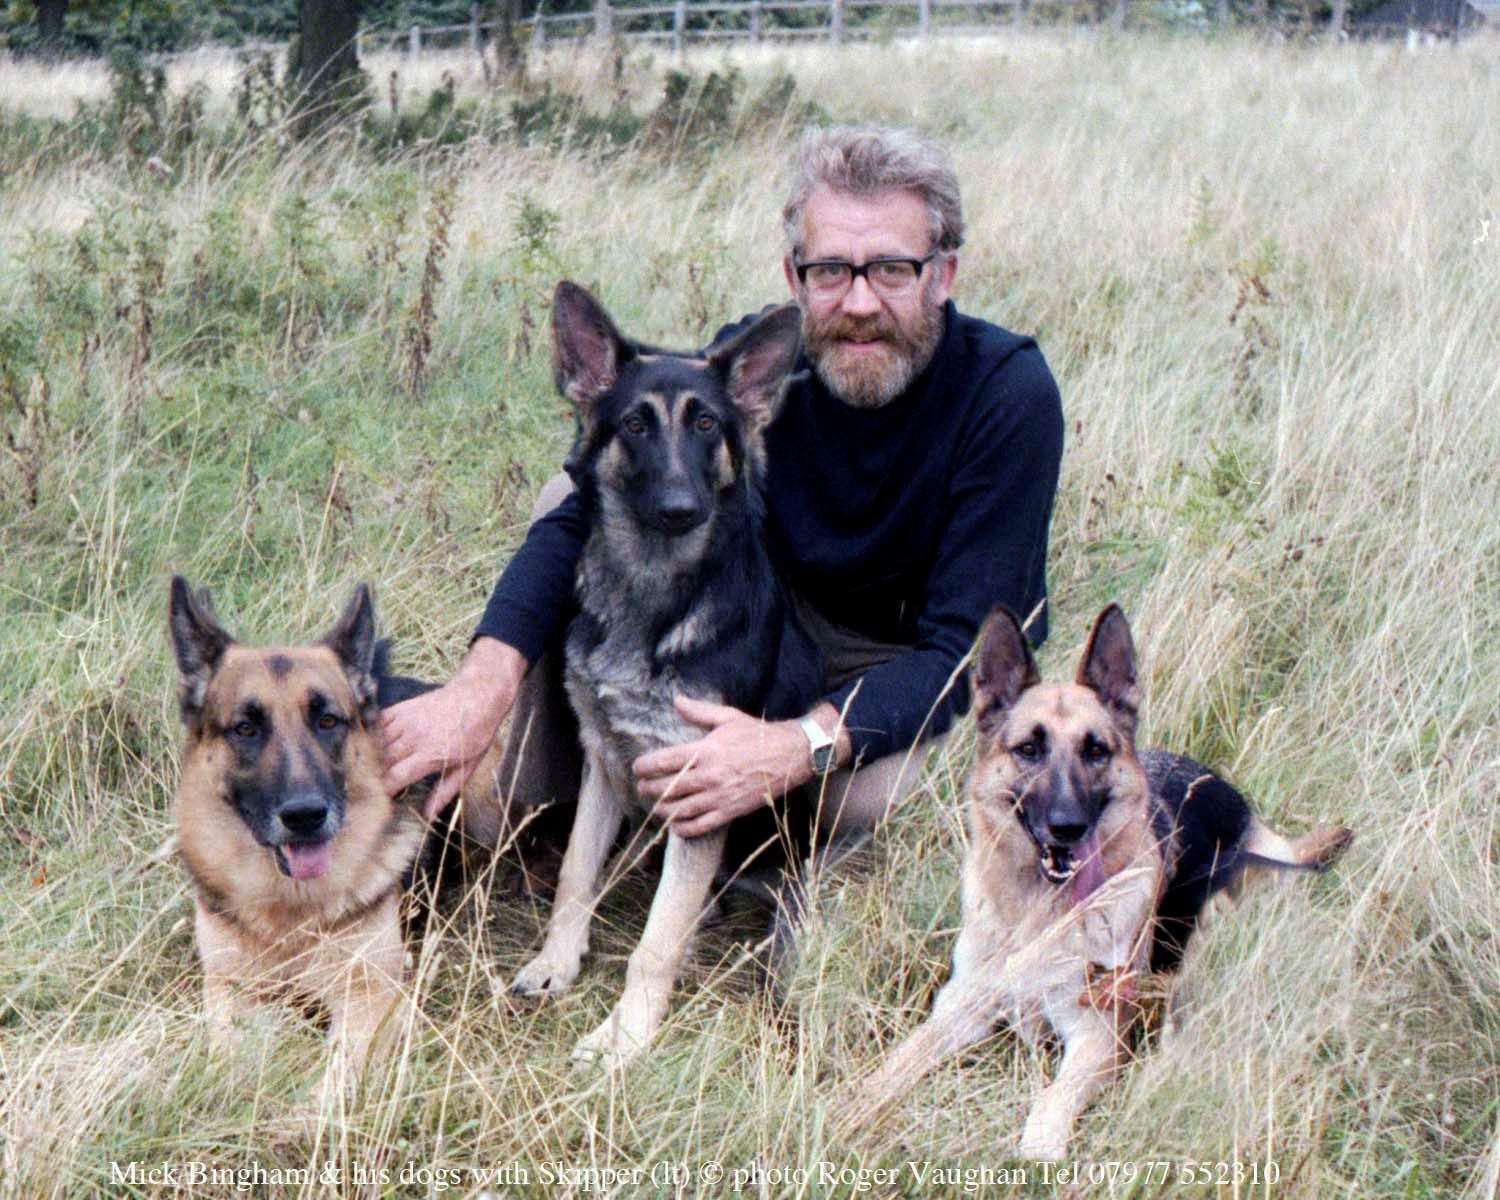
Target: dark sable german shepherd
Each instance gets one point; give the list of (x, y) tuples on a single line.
[(1087, 866), (676, 594), (297, 854)]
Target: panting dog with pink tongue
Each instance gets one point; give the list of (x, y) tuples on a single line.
[(1088, 867), (296, 852)]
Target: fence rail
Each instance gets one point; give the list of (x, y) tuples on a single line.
[(729, 20), (754, 21)]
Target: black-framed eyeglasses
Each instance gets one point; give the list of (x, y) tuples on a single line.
[(829, 277)]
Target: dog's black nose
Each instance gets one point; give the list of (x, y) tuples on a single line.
[(1065, 833), (303, 816), (678, 515)]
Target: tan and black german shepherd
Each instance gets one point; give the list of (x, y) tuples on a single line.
[(1087, 867), (296, 852)]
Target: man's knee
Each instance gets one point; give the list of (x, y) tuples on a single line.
[(554, 492), (862, 799)]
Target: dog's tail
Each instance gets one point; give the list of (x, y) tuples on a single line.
[(1315, 851)]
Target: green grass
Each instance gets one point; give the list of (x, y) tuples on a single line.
[(1261, 277)]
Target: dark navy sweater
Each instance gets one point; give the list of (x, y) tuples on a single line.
[(906, 523)]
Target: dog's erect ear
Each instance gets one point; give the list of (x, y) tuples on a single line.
[(1108, 667), (198, 641), (1003, 667), (587, 350), (756, 363), (352, 641)]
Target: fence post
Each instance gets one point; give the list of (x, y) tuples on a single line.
[(414, 43), (1223, 14), (476, 41), (603, 20), (924, 18), (538, 34), (1118, 21), (1336, 23), (679, 25), (754, 21), (1019, 16), (836, 21)]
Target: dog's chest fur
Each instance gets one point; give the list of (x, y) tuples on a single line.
[(620, 691)]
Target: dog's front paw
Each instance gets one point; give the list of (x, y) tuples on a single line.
[(1041, 1141), (611, 1046), (546, 975)]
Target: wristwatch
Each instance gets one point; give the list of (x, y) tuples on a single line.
[(819, 746)]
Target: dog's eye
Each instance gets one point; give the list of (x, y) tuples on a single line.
[(1095, 752), (1027, 751), (706, 423), (633, 425), (246, 730), (329, 721)]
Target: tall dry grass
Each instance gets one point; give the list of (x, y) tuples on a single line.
[(1268, 280)]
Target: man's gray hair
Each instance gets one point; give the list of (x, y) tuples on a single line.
[(867, 160)]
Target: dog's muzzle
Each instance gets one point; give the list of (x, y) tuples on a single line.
[(306, 851), (1082, 865), (1057, 863)]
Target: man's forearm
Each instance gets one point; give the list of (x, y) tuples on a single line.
[(492, 671)]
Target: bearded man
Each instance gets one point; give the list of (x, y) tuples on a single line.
[(909, 487)]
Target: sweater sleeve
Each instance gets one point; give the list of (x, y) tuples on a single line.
[(992, 549), (534, 595)]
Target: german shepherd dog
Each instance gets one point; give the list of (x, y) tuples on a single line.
[(1087, 866), (676, 594), (297, 855)]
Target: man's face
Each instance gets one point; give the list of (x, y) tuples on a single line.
[(869, 342)]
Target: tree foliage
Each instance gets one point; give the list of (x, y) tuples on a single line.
[(92, 26)]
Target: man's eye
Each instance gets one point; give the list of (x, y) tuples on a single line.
[(892, 274), (827, 274), (329, 721), (1027, 751)]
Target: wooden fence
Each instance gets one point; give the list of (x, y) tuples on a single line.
[(679, 23)]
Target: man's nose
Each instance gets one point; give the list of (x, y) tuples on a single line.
[(860, 300)]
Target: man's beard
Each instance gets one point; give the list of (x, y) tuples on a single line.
[(871, 380)]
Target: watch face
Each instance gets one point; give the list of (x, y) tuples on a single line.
[(822, 759)]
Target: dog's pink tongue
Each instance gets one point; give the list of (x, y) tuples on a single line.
[(1090, 873), (307, 862)]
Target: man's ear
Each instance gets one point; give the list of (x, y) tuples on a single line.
[(198, 642), (352, 640), (587, 350), (1003, 668), (755, 364), (1108, 668), (946, 265)]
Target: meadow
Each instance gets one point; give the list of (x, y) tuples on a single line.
[(1267, 278)]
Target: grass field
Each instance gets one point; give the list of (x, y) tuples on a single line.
[(1268, 281)]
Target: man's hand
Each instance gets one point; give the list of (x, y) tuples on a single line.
[(447, 731), (733, 769)]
